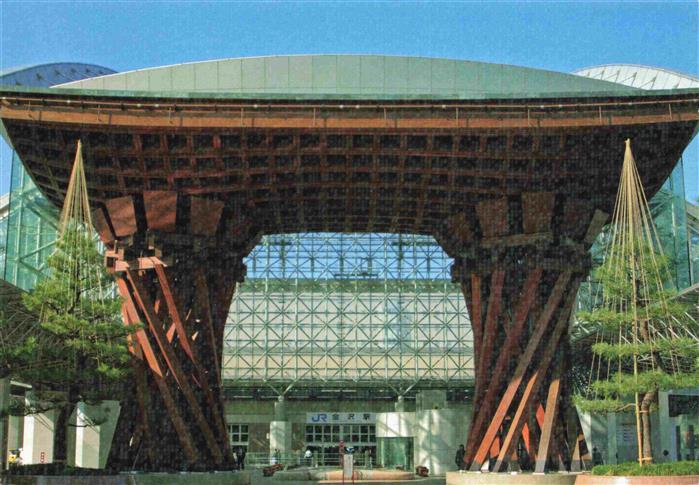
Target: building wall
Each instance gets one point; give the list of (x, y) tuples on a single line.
[(38, 433), (259, 414), (673, 436), (435, 428)]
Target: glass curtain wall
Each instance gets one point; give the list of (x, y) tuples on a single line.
[(348, 308), (31, 230), (3, 239)]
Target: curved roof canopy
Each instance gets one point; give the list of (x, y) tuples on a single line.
[(358, 76), (642, 77), (45, 75)]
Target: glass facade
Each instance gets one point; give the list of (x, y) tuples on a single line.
[(668, 208), (395, 453), (31, 230), (3, 235), (238, 435), (339, 308), (693, 234), (331, 434)]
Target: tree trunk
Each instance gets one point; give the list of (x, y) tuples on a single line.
[(648, 399), (60, 440), (60, 436)]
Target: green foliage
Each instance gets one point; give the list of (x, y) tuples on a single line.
[(666, 356), (604, 405), (684, 346), (652, 469), (624, 265), (622, 384), (15, 356), (85, 340)]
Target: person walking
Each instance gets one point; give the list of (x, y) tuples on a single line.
[(308, 456), (459, 459), (596, 457), (240, 457)]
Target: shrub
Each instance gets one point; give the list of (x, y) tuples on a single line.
[(653, 469)]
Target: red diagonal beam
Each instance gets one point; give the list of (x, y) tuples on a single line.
[(536, 379), (173, 310), (530, 287), (131, 341), (204, 306), (170, 334), (142, 398), (222, 294), (528, 438), (536, 421), (153, 362), (525, 360), (174, 364), (490, 329), (476, 312), (140, 334), (549, 419)]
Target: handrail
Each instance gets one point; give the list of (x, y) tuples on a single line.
[(216, 105), (296, 458)]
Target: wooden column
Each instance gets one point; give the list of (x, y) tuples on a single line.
[(176, 274), (516, 342)]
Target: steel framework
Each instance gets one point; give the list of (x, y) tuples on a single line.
[(331, 309), (28, 233), (4, 213)]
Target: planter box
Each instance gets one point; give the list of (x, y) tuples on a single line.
[(661, 480)]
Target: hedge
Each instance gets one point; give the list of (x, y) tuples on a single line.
[(653, 469)]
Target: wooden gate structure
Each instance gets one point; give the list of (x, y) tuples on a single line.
[(515, 190)]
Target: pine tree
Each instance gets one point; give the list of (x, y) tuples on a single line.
[(84, 341), (637, 356), (646, 341), (80, 341)]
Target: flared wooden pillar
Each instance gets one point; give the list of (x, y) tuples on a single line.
[(519, 268), (519, 318), (176, 267)]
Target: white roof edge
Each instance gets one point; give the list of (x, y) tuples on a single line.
[(4, 202), (642, 66)]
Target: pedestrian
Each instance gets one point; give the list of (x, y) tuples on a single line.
[(15, 458), (277, 456), (597, 457), (308, 456), (460, 453), (240, 456)]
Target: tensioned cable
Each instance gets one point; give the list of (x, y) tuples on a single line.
[(640, 276)]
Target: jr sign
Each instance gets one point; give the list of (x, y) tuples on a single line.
[(340, 418)]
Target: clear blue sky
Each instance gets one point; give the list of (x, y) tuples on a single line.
[(556, 36)]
